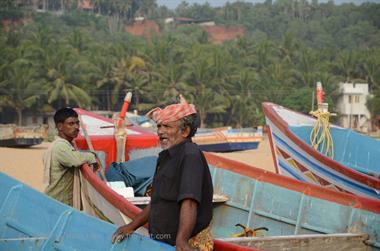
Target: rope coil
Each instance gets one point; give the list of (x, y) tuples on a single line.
[(320, 136)]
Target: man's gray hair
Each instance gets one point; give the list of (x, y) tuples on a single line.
[(192, 121)]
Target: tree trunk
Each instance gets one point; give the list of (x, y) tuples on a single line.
[(202, 116), (137, 98), (19, 116), (108, 94)]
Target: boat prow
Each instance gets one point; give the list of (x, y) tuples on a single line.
[(354, 168)]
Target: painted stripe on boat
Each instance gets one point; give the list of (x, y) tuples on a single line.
[(326, 173), (275, 119), (293, 173)]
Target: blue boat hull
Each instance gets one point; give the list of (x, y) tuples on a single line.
[(283, 211), (30, 220), (284, 206)]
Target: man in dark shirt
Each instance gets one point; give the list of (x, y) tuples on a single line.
[(180, 210)]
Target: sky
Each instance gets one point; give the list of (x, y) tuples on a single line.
[(172, 4)]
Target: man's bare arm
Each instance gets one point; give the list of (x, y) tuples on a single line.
[(187, 220)]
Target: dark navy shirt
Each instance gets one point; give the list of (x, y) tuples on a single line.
[(181, 173)]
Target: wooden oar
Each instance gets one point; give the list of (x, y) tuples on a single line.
[(91, 147), (120, 132)]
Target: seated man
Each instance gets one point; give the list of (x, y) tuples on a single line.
[(180, 209), (62, 160)]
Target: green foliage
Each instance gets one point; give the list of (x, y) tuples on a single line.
[(10, 13)]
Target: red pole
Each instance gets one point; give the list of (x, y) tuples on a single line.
[(320, 93), (124, 109)]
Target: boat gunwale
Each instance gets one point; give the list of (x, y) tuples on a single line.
[(121, 203), (284, 127), (356, 201)]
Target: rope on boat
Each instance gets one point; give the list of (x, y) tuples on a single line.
[(320, 136)]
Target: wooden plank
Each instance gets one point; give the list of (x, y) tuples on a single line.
[(336, 242), (91, 147), (217, 198)]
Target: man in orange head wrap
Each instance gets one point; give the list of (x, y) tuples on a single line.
[(180, 210)]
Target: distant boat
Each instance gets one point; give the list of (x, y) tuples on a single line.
[(227, 139), (306, 216), (30, 220), (140, 120), (21, 136), (354, 168)]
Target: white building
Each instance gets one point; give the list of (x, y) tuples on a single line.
[(352, 106)]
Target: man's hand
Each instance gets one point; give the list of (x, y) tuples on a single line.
[(183, 246), (126, 230), (121, 233), (95, 167)]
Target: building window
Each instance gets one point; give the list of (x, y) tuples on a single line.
[(350, 99), (353, 99)]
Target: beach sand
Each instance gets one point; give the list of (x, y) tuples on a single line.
[(260, 157), (25, 164)]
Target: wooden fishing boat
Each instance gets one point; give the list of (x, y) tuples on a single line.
[(21, 136), (228, 140), (103, 202), (30, 220), (101, 131), (256, 198), (354, 168)]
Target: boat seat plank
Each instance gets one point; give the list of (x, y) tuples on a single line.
[(310, 242), (217, 198)]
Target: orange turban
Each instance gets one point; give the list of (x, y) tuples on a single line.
[(171, 112)]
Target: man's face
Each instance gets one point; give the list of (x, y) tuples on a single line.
[(170, 134), (69, 129)]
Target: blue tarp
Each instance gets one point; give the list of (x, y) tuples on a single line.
[(135, 173)]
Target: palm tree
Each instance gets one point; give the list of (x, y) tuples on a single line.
[(243, 101), (306, 66), (127, 74), (78, 39), (62, 87), (264, 54), (173, 81), (345, 65), (21, 89), (372, 75), (207, 89), (104, 63), (208, 101), (371, 66)]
